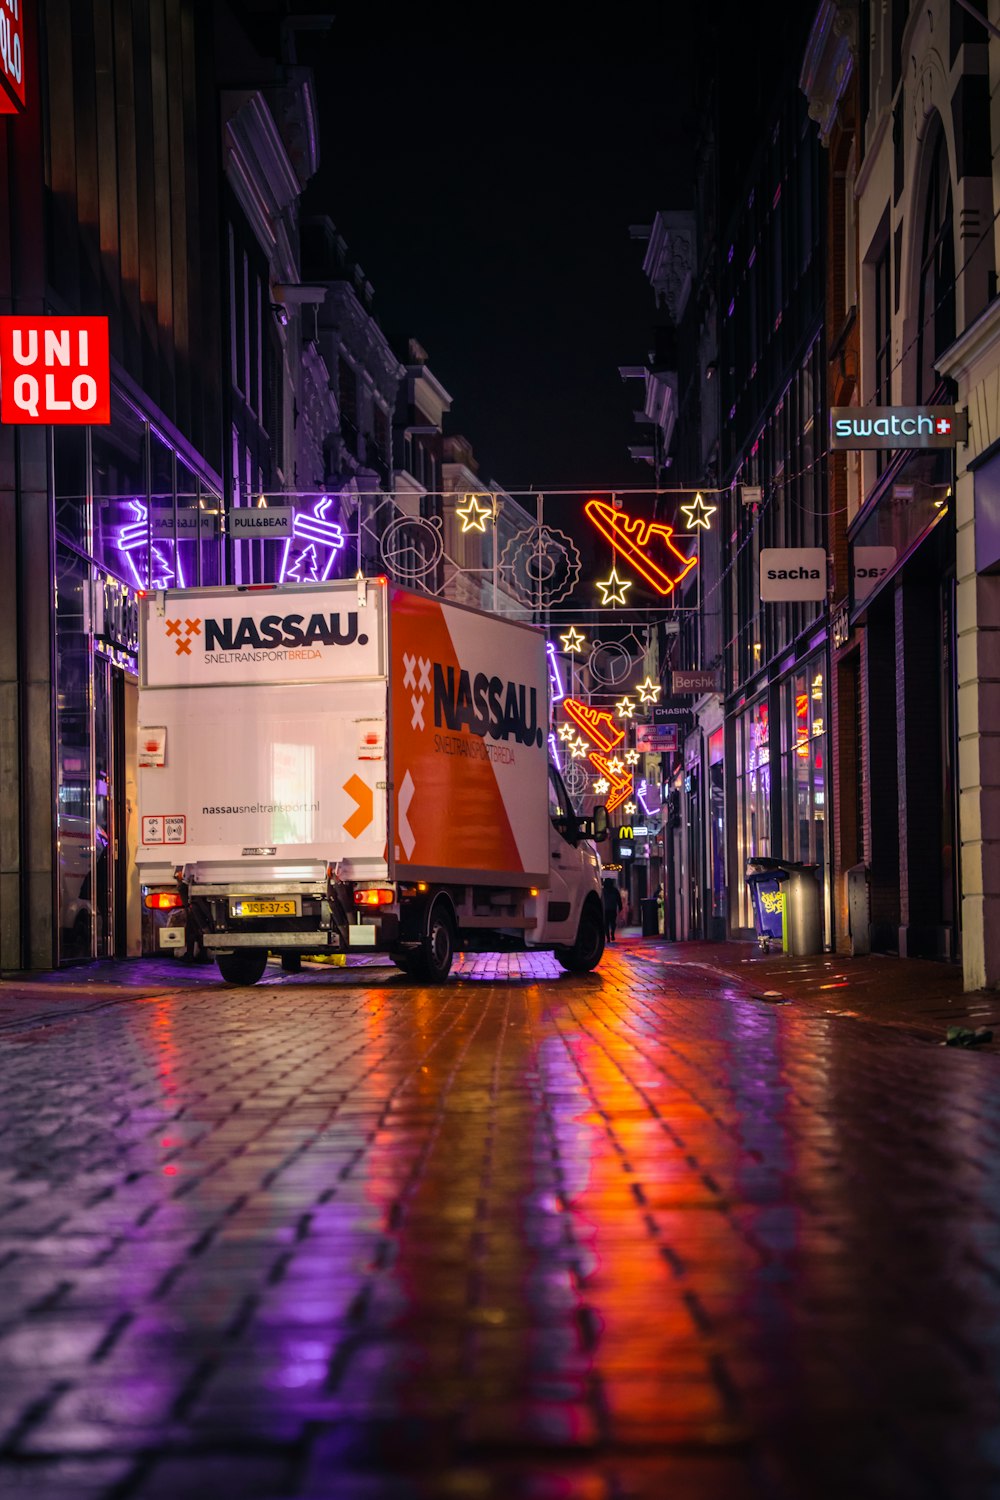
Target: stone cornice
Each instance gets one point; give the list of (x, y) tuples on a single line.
[(829, 61), (669, 261), (343, 317), (977, 347), (422, 375), (253, 136)]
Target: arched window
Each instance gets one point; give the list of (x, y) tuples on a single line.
[(937, 272)]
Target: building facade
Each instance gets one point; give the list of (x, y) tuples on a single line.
[(913, 139), (154, 178)]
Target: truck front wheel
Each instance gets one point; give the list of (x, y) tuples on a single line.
[(434, 963), (245, 966), (587, 951)]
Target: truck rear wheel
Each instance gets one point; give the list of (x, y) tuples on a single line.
[(588, 950), (434, 962), (245, 966)]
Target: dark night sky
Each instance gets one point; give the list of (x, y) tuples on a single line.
[(488, 202)]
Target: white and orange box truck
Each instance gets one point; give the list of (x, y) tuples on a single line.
[(351, 767)]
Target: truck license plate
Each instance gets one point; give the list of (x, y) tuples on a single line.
[(281, 906)]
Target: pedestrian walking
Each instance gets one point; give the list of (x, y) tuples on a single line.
[(612, 906)]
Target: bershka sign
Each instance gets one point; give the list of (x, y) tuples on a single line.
[(54, 370), (897, 427), (12, 93), (695, 682), (792, 573), (260, 521)]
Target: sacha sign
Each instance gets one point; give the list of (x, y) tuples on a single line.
[(54, 370), (897, 427), (792, 573)]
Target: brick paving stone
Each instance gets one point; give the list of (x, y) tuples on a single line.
[(522, 1235)]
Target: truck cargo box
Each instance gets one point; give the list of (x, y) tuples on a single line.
[(348, 723), (468, 722)]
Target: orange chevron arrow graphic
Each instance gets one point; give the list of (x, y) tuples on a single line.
[(365, 812)]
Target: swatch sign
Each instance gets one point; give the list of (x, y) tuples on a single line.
[(853, 427), (54, 370)]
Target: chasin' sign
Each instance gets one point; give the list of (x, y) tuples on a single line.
[(54, 370)]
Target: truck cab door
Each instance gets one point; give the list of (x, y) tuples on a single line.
[(561, 914)]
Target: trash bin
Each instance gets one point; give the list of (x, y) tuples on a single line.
[(767, 879), (803, 918), (649, 909)]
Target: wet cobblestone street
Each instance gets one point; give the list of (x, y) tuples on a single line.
[(523, 1235)]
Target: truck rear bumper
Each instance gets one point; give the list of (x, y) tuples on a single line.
[(358, 936), (317, 942)]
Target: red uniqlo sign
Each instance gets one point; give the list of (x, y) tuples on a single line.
[(54, 369), (12, 95)]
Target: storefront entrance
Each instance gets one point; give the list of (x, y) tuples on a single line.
[(116, 904), (97, 803)]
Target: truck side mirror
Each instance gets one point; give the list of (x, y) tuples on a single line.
[(600, 822)]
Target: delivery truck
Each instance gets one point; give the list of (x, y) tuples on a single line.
[(352, 767)]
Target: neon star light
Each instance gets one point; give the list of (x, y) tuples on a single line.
[(595, 722), (613, 588), (472, 515), (648, 691), (640, 543), (625, 708), (697, 513), (578, 748), (631, 809), (567, 732), (631, 757), (572, 640), (601, 785), (617, 766)]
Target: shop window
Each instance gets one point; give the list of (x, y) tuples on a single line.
[(717, 825), (753, 798), (198, 529), (119, 468), (75, 832), (936, 314), (804, 770), (69, 484)]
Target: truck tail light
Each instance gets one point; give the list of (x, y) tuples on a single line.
[(164, 900), (379, 896)]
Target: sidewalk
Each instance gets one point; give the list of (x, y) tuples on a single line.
[(921, 995)]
